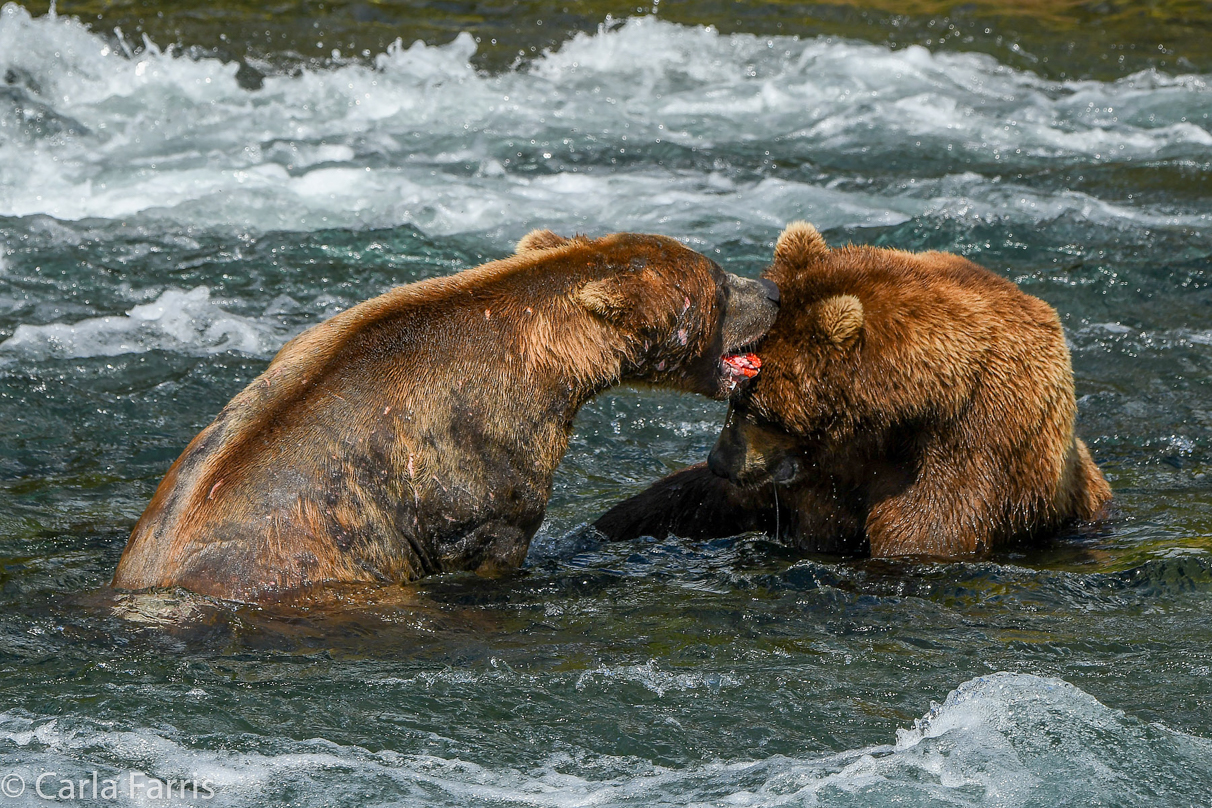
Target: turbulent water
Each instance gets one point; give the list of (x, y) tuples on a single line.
[(164, 229)]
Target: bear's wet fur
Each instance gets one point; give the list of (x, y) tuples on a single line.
[(909, 404), (418, 432)]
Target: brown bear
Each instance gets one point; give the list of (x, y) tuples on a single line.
[(908, 404), (419, 432)]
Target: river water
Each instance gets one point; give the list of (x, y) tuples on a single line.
[(168, 219)]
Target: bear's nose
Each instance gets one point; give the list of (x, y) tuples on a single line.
[(718, 464), (772, 291)]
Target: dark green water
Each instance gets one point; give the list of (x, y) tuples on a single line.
[(164, 227)]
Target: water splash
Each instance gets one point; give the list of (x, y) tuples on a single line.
[(1005, 739), (645, 126), (177, 320)]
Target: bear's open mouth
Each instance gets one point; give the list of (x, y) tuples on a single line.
[(740, 365)]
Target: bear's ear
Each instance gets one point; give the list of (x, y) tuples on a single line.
[(540, 240), (800, 244), (604, 298), (840, 319)]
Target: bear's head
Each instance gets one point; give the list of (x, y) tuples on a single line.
[(682, 321), (806, 396)]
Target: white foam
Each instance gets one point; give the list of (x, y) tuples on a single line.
[(1122, 339), (1005, 740), (420, 137), (651, 677), (184, 321)]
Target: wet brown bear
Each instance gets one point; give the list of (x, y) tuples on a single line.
[(909, 404), (418, 432)]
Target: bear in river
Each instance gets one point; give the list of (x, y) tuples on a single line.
[(908, 404), (419, 431)]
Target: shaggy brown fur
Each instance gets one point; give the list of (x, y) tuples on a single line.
[(418, 432), (909, 404)]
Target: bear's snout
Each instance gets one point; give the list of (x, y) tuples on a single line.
[(749, 454), (727, 457), (750, 311), (719, 465)]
